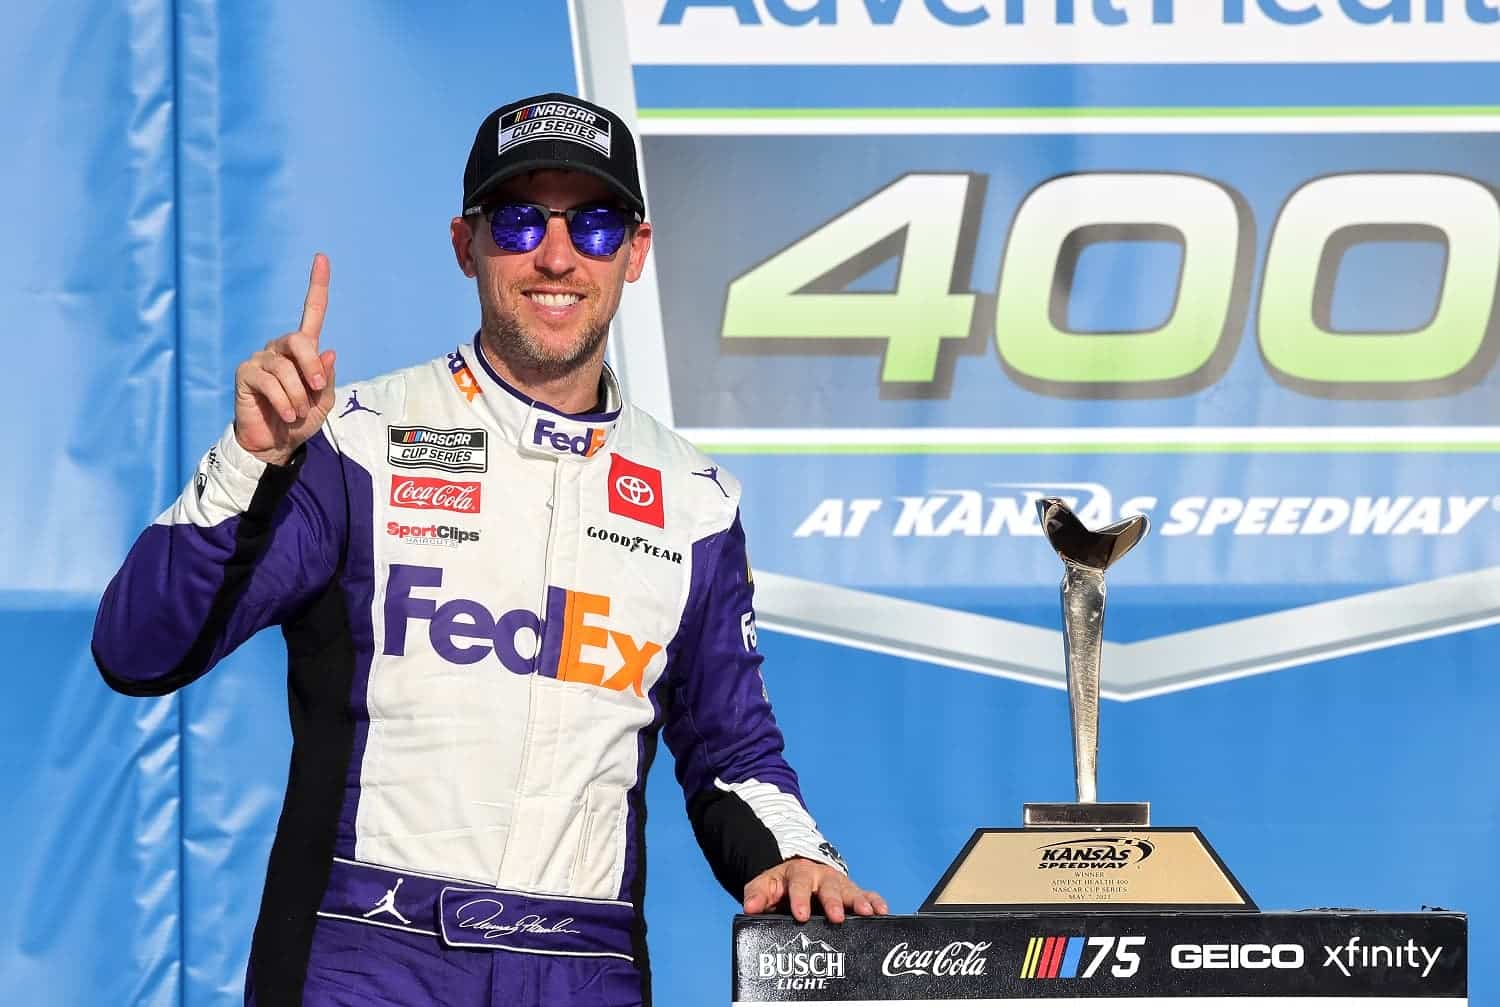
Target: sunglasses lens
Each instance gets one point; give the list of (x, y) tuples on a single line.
[(517, 227), (598, 230)]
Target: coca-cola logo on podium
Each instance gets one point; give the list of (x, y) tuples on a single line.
[(421, 493), (958, 958)]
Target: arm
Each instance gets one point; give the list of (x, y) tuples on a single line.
[(743, 799), (258, 531), (244, 546)]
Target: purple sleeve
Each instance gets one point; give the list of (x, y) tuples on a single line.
[(244, 546), (743, 799)]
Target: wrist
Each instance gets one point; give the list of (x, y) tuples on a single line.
[(274, 457), (270, 456)]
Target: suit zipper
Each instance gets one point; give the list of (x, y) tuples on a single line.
[(536, 663)]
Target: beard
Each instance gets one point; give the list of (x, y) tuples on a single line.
[(503, 335)]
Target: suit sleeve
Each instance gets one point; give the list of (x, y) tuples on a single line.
[(245, 545), (743, 799)]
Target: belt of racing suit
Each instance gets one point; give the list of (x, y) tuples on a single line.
[(467, 915)]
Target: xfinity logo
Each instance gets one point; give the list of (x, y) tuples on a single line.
[(1357, 955), (959, 958), (1237, 956), (1009, 509)]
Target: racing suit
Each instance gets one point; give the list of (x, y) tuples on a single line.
[(491, 609)]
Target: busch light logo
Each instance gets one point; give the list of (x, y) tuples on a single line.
[(802, 964)]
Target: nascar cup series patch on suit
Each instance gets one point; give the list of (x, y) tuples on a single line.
[(449, 450)]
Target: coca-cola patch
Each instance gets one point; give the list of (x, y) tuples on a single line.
[(422, 493)]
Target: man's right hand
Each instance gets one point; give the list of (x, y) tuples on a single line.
[(284, 392)]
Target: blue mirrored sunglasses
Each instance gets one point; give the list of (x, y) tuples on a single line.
[(595, 229)]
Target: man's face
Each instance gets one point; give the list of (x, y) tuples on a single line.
[(547, 311)]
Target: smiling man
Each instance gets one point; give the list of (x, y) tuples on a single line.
[(498, 583)]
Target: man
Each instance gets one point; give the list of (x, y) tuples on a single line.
[(497, 582)]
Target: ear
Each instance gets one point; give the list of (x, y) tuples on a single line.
[(463, 245), (640, 244)]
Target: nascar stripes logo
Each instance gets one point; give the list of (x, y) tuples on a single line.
[(1060, 957), (1052, 958)]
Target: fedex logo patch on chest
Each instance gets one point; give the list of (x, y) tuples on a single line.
[(635, 491)]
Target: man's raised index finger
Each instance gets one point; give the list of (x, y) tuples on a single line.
[(316, 304)]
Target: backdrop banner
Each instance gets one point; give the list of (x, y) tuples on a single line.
[(1232, 265)]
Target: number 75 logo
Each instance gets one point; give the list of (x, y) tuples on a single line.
[(1060, 957)]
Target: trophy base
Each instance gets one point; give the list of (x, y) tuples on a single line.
[(1093, 815), (1087, 868)]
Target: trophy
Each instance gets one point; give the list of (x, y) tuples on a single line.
[(1086, 854), (1085, 555)]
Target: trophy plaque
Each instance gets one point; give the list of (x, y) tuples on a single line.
[(1087, 854)]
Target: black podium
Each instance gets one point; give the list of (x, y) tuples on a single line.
[(1240, 959)]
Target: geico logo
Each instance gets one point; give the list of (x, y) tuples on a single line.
[(1237, 956), (586, 444), (464, 631), (442, 531)]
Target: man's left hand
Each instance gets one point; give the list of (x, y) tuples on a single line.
[(797, 880)]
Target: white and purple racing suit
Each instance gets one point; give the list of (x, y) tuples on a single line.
[(490, 610)]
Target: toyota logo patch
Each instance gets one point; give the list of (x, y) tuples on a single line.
[(635, 491)]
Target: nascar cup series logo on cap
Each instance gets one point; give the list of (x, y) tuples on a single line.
[(635, 491), (554, 120)]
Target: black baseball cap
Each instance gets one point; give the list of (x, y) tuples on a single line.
[(552, 131)]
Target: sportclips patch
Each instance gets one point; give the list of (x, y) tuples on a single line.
[(551, 120), (449, 450)]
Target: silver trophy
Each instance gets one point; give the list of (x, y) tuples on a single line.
[(1012, 869), (1086, 555)]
